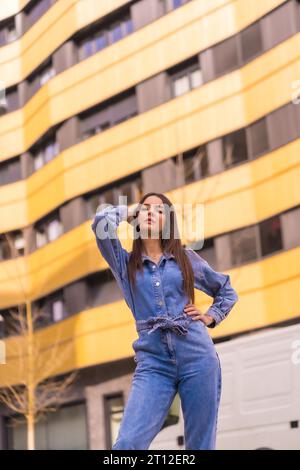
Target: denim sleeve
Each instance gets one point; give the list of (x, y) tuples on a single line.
[(216, 285), (105, 226)]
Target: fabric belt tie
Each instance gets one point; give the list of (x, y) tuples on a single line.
[(177, 324)]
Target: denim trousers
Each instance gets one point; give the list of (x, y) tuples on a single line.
[(172, 355)]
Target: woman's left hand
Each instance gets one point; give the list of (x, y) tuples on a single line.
[(195, 313)]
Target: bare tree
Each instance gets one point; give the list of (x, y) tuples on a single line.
[(33, 388)]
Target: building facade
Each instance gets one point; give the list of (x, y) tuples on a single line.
[(198, 99)]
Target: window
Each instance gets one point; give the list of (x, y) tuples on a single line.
[(162, 8), (208, 251), (101, 36), (11, 245), (270, 235), (9, 100), (8, 32), (280, 24), (196, 78), (41, 238), (100, 42), (116, 33), (104, 116), (94, 200), (95, 130), (12, 99), (185, 77), (5, 252), (120, 29), (94, 120), (258, 136), (47, 151), (38, 161), (225, 56), (92, 44), (49, 309), (12, 34), (35, 10), (126, 189), (64, 429), (235, 148), (181, 85), (102, 289), (3, 102), (92, 203), (40, 77), (178, 3), (243, 244), (10, 324), (114, 408), (54, 229), (50, 151), (251, 42), (128, 26), (131, 188), (284, 125), (165, 5), (2, 36), (124, 108), (19, 243), (45, 76), (86, 49), (10, 171), (57, 310), (48, 231), (195, 164), (290, 223)]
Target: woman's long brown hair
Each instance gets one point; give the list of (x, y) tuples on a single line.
[(171, 244)]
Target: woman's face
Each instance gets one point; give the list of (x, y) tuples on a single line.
[(151, 217)]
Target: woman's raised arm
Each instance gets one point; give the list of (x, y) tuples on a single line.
[(105, 225)]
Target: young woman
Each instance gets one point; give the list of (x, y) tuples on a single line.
[(174, 351)]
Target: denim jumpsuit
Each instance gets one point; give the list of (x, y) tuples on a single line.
[(173, 353)]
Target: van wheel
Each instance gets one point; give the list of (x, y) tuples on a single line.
[(264, 448)]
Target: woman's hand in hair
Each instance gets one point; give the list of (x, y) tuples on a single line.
[(196, 314)]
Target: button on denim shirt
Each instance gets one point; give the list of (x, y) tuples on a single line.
[(159, 292)]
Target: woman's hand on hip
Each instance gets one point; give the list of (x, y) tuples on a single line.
[(196, 314)]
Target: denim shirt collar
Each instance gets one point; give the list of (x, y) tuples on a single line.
[(165, 255)]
